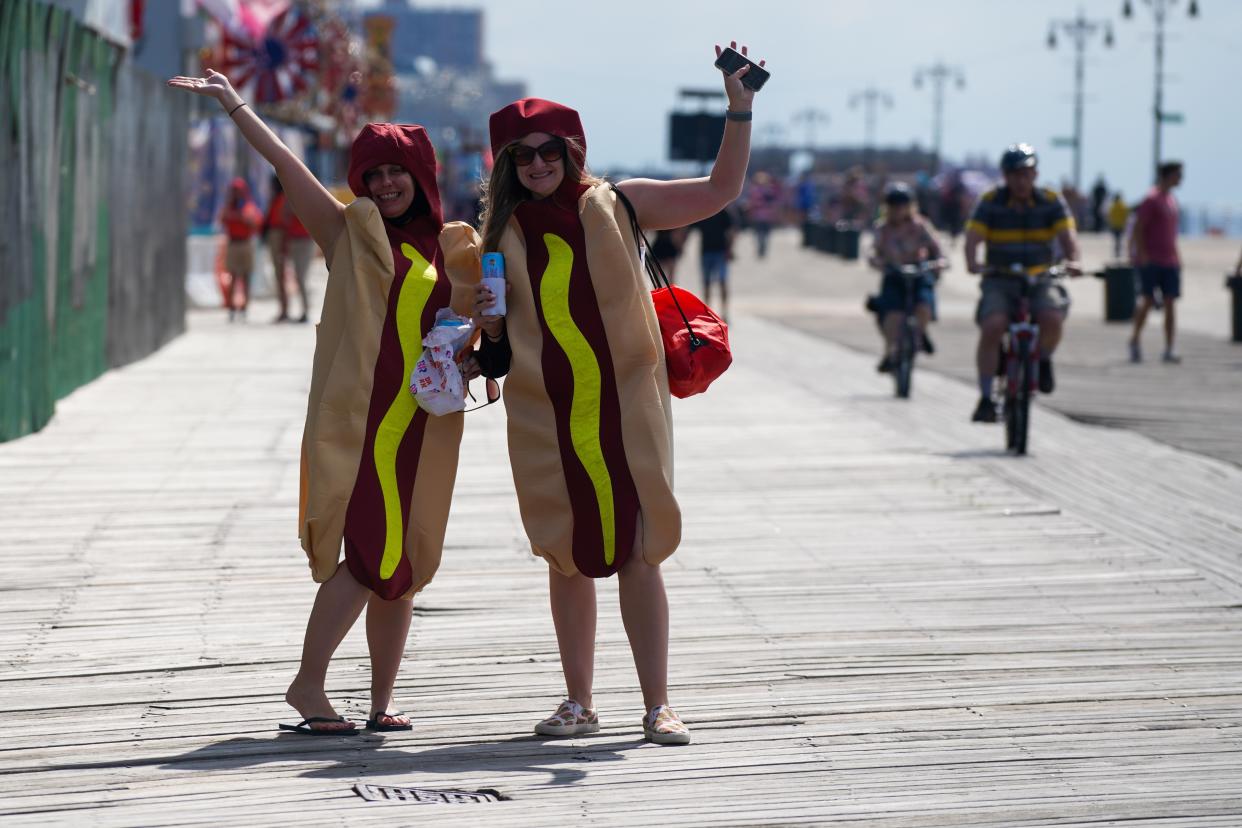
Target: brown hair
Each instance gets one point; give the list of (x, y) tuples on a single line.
[(502, 192), (1168, 169)]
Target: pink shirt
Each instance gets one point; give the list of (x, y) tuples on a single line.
[(1157, 216)]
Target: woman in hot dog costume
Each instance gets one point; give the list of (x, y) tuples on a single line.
[(376, 471), (590, 428)]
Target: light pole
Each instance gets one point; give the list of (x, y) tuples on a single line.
[(939, 73), (870, 98), (1080, 30), (810, 117), (1160, 10)]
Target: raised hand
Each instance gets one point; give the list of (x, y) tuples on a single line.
[(740, 96), (215, 85)]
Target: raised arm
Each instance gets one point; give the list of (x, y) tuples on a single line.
[(662, 205), (317, 209)]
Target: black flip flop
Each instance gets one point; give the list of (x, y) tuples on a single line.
[(305, 729), (374, 724)]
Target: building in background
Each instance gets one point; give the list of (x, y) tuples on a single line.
[(444, 82)]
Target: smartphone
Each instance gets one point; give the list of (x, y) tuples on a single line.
[(730, 61)]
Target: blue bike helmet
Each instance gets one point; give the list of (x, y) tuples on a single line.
[(1018, 157)]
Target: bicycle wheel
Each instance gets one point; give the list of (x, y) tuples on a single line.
[(904, 368), (1018, 410)]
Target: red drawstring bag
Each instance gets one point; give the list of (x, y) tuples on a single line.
[(696, 339)]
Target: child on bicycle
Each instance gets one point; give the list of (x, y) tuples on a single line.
[(903, 237)]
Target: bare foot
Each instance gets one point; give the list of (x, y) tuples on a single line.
[(311, 702)]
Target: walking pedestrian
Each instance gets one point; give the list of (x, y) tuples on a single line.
[(587, 396), (666, 247), (242, 221), (366, 444), (716, 234), (288, 242), (763, 206), (1153, 249), (1118, 217), (1099, 194)]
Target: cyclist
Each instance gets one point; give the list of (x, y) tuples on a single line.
[(1026, 228), (902, 237)]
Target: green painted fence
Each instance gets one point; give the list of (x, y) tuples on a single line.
[(84, 286)]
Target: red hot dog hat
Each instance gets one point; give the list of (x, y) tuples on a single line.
[(528, 115), (406, 145)]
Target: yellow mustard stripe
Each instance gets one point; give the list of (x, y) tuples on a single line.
[(584, 411), (415, 291), (977, 226), (1018, 236)]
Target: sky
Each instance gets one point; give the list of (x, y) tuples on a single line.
[(621, 64)]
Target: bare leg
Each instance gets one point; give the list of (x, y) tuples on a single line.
[(276, 247), (922, 315), (388, 625), (1051, 324), (644, 610), (337, 604), (891, 328), (573, 615), (1170, 323), (990, 332), (1140, 317), (235, 279)]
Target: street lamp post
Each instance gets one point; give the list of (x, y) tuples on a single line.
[(810, 117), (939, 74), (1079, 30), (1160, 10), (870, 99)]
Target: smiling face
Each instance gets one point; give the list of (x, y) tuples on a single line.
[(391, 188), (1021, 183), (539, 176)]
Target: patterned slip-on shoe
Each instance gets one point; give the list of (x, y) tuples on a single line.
[(664, 727), (570, 719)]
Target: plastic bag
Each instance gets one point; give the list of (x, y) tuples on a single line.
[(436, 381)]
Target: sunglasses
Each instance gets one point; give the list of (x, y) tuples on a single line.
[(493, 394), (549, 151)]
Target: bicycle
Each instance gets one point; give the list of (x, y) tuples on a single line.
[(1018, 367), (909, 339)]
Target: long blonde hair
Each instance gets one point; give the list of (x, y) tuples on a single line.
[(502, 192)]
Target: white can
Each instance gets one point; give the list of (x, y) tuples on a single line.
[(494, 278)]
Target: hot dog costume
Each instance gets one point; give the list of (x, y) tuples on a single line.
[(377, 472), (589, 416)]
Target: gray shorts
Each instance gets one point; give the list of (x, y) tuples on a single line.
[(1000, 295)]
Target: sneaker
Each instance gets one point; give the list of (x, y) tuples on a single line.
[(1171, 358), (928, 347), (985, 411), (885, 366), (1136, 353), (662, 726), (1047, 383), (570, 719)]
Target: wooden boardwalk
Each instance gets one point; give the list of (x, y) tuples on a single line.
[(1196, 405), (878, 618)]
